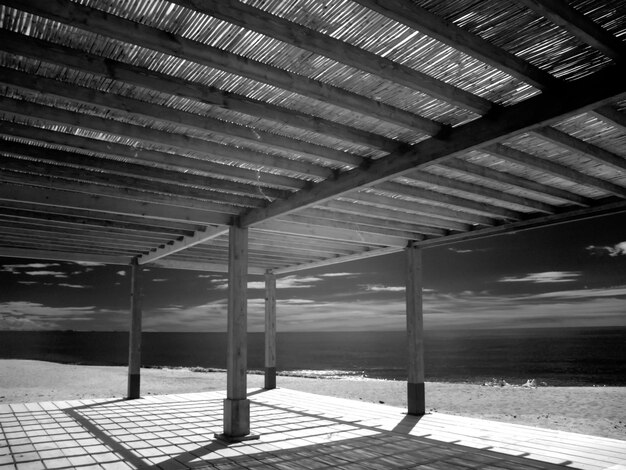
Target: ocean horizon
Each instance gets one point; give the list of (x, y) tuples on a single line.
[(553, 356)]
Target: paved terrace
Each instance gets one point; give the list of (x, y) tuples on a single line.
[(297, 431)]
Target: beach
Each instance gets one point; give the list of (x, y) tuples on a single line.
[(599, 411)]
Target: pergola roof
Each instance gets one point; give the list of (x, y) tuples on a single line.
[(334, 130)]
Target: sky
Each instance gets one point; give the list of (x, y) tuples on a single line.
[(568, 275)]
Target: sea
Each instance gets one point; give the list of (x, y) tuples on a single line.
[(550, 356)]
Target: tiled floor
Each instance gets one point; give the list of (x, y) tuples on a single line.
[(298, 431)]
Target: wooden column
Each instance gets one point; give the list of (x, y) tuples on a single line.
[(270, 330), (415, 330), (236, 404), (134, 349)]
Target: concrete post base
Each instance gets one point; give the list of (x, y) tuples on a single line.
[(270, 378), (236, 418), (416, 399)]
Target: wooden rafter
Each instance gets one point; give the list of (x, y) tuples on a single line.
[(535, 112), (580, 25), (62, 256), (262, 22)]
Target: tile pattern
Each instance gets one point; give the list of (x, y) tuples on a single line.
[(298, 431)]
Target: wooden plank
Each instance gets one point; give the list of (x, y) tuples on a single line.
[(62, 256), (50, 88), (270, 330), (236, 405), (134, 343), (556, 169), (57, 116), (130, 174), (90, 219), (594, 152), (137, 154), (182, 243), (482, 191), (199, 266), (415, 331), (428, 214), (295, 225), (517, 181), (370, 253), (278, 28), (371, 223), (144, 36), (462, 203), (108, 204), (49, 52), (572, 98), (392, 209), (420, 19), (579, 25)]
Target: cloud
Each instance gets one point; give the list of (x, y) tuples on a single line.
[(88, 263), (16, 268), (545, 277), (339, 274), (121, 273), (159, 280), (21, 315), (72, 286), (57, 274), (289, 282), (615, 250), (381, 288)]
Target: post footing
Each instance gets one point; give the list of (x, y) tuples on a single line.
[(234, 439), (270, 378)]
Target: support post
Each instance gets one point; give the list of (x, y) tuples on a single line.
[(415, 330), (236, 404), (134, 349), (270, 330)]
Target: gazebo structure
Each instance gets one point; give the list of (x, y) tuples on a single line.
[(270, 136)]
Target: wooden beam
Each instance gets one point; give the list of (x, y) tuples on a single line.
[(594, 152), (611, 116), (455, 201), (270, 330), (391, 208), (472, 189), (420, 19), (370, 253), (6, 252), (556, 169), (136, 154), (415, 330), (606, 206), (389, 199), (137, 108), (182, 243), (236, 404), (93, 220), (106, 188), (131, 174), (447, 199), (57, 116), (579, 25), (480, 171), (134, 343), (283, 30), (569, 99), (152, 38), (109, 205), (54, 53), (369, 223), (168, 263), (297, 225)]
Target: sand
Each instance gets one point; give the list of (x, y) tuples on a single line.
[(599, 411)]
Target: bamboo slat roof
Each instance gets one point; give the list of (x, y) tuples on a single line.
[(333, 130)]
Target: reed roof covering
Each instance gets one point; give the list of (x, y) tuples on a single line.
[(334, 130)]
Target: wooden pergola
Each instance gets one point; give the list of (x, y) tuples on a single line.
[(267, 137)]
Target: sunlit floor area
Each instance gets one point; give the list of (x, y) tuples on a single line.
[(297, 431)]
